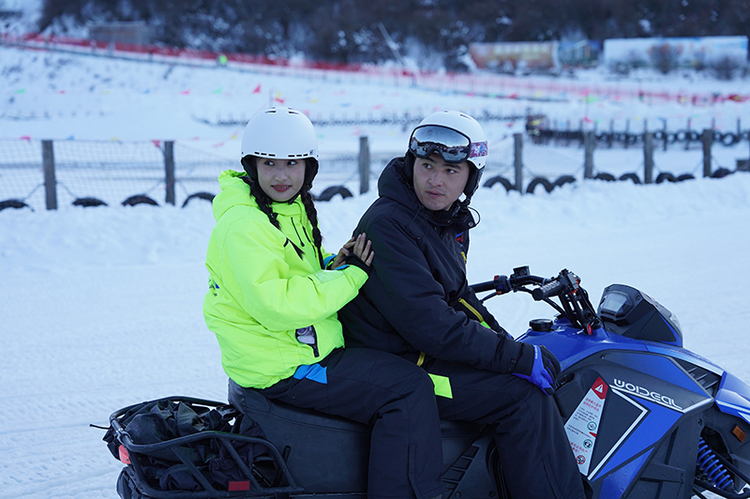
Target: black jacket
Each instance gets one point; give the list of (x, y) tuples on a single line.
[(417, 299)]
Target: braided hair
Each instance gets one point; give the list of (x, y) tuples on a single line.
[(312, 215), (265, 203)]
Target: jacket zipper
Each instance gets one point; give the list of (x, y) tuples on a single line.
[(471, 309), (316, 353), (301, 242), (318, 251), (304, 334)]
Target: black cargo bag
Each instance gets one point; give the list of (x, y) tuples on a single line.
[(179, 447)]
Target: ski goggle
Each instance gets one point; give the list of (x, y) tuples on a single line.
[(450, 144)]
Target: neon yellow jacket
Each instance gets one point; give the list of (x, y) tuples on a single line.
[(261, 290)]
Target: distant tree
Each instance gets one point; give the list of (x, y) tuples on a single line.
[(439, 31), (54, 9), (665, 57), (726, 68)]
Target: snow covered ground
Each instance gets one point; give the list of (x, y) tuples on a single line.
[(101, 307)]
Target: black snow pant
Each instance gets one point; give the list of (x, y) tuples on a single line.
[(394, 396), (534, 451)]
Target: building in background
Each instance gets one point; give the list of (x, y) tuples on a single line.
[(672, 53), (580, 54), (511, 57), (137, 33)]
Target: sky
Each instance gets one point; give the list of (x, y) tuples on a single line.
[(101, 307)]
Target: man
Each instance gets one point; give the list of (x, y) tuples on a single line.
[(417, 304)]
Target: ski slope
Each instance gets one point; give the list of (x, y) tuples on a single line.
[(101, 307)]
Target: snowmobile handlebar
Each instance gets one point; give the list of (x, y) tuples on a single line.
[(574, 301), (547, 290), (503, 284)]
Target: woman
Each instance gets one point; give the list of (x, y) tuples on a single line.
[(273, 299)]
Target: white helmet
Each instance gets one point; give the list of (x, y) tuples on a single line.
[(282, 133), (457, 137)]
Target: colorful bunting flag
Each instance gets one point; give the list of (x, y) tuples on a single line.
[(738, 98)]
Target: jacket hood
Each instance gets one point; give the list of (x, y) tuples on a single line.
[(234, 191), (395, 184)]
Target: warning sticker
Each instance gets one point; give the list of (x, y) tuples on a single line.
[(583, 425)]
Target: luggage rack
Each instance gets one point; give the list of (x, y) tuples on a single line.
[(266, 477)]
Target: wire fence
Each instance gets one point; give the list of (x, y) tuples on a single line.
[(684, 137), (645, 161), (67, 173), (380, 117), (92, 173)]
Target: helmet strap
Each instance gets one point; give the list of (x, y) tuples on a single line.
[(311, 170), (409, 160), (472, 181)]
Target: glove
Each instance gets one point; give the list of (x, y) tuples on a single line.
[(537, 365), (352, 259)]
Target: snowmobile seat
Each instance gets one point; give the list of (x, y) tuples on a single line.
[(324, 452)]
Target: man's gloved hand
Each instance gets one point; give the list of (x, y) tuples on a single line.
[(537, 365)]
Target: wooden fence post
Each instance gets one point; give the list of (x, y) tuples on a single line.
[(588, 156), (50, 182), (627, 132), (169, 179), (364, 164), (707, 137), (581, 133), (648, 157), (518, 160)]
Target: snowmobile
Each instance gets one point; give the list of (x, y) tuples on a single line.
[(645, 418)]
